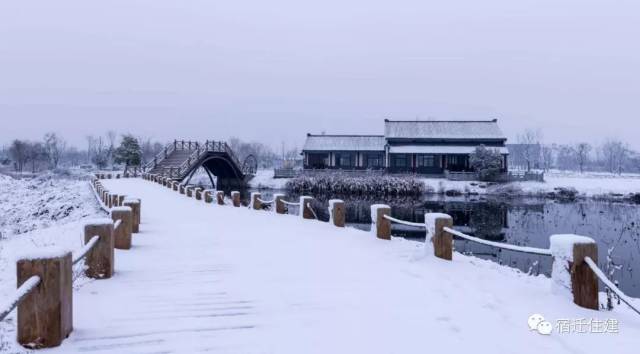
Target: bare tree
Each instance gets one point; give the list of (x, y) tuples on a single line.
[(36, 154), (582, 151), (54, 147), (530, 141), (615, 154), (19, 152), (547, 154)]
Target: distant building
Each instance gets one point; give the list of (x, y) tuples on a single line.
[(425, 147)]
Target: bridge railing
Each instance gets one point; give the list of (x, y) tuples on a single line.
[(44, 293), (574, 257)]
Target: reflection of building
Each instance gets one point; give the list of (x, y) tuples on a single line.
[(426, 147)]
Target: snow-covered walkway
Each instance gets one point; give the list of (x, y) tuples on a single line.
[(206, 278)]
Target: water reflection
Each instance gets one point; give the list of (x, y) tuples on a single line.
[(518, 221)]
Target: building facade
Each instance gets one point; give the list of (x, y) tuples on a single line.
[(423, 147)]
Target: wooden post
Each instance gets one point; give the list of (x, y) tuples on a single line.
[(175, 185), (235, 197), (99, 261), (207, 196), (45, 316), (337, 212), (108, 175), (189, 191), (134, 204), (305, 207), (442, 240), (279, 204), (381, 226), (220, 197), (569, 252), (122, 234), (255, 203), (121, 199), (198, 193), (114, 201), (182, 189)]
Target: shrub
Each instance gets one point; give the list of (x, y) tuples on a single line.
[(487, 162), (340, 183)]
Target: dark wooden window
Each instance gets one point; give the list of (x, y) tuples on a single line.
[(374, 160), (425, 160), (345, 159), (400, 160)]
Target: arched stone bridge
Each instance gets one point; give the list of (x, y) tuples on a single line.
[(181, 159)]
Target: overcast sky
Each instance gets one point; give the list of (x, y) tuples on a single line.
[(275, 70)]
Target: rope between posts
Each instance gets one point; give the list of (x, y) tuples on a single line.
[(290, 203), (117, 224), (312, 211), (594, 267), (25, 289), (100, 203), (266, 201), (523, 249), (408, 223), (81, 253)]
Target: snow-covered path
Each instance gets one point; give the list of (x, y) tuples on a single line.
[(206, 278)]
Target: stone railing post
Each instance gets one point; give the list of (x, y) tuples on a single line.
[(305, 207), (380, 226), (255, 203), (337, 212), (122, 234), (45, 316), (235, 198), (442, 241), (278, 203), (571, 272), (134, 204), (220, 197), (99, 261)]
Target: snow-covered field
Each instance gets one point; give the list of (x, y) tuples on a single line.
[(47, 211), (264, 180), (203, 277)]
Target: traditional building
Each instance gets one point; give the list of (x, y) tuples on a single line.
[(425, 147)]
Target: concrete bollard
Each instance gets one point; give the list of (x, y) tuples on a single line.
[(381, 226), (99, 261), (198, 193), (569, 252), (134, 204), (337, 212), (255, 202), (122, 234), (235, 198), (442, 240), (45, 316), (305, 207), (220, 197), (279, 204)]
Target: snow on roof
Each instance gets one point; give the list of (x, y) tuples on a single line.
[(440, 149), (443, 130), (344, 143)]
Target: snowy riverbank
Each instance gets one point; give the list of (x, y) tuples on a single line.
[(587, 185)]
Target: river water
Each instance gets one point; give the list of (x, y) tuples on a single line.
[(517, 221)]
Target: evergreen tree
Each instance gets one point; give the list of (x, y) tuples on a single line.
[(487, 162), (129, 152)]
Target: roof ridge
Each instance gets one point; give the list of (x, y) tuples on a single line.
[(494, 120), (348, 135)]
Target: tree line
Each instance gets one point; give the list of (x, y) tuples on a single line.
[(113, 151), (613, 155)]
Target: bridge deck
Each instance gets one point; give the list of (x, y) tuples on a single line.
[(204, 278)]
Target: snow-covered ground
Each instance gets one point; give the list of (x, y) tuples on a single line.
[(588, 184), (38, 213), (202, 277), (264, 180)]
